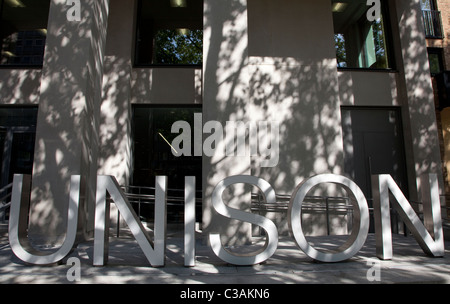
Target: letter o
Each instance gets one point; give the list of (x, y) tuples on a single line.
[(360, 226)]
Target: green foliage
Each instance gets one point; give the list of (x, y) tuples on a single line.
[(341, 56), (179, 46)]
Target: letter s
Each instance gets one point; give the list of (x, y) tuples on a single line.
[(271, 230)]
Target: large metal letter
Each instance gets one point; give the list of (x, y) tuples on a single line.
[(154, 251), (381, 185), (271, 243), (360, 214), (18, 240), (189, 221)]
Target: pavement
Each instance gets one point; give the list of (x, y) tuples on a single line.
[(289, 265)]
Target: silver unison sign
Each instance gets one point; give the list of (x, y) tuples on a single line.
[(428, 234)]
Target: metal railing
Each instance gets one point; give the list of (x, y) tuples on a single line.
[(319, 205), (433, 24), (326, 206), (340, 205), (138, 196), (5, 201)]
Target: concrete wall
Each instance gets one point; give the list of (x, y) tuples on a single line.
[(20, 86), (294, 80), (254, 70), (417, 99), (124, 85), (225, 98), (364, 88), (67, 126), (167, 85), (263, 61)]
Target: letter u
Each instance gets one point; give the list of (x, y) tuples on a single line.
[(18, 240)]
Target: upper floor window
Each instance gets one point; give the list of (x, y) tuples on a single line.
[(428, 4), (169, 32), (435, 58), (361, 43), (23, 30), (432, 19)]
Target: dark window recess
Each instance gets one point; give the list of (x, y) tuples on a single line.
[(23, 30), (152, 155), (436, 61), (17, 139), (169, 32), (432, 19)]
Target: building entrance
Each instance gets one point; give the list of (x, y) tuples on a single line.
[(153, 156), (17, 138), (373, 144)]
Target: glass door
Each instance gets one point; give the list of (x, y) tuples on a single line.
[(17, 138), (153, 156)]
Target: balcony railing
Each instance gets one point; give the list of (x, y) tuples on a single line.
[(433, 24)]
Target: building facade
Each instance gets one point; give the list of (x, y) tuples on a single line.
[(347, 84), (437, 28)]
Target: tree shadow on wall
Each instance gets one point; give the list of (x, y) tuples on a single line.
[(302, 93), (270, 84), (69, 106)]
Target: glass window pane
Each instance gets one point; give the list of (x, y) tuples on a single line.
[(18, 116), (23, 26), (153, 156), (360, 43), (436, 60), (182, 46), (434, 63), (170, 32), (17, 138), (425, 4)]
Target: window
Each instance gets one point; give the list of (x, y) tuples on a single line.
[(153, 156), (360, 43), (17, 137), (428, 4), (435, 60), (169, 32), (23, 29), (432, 19)]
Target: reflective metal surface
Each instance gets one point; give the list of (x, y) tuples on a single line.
[(384, 184), (18, 225), (154, 251), (360, 215), (271, 242)]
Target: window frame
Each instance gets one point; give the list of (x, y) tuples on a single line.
[(440, 56), (137, 64), (392, 66), (21, 65), (134, 175)]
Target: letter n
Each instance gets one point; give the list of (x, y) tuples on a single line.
[(381, 185), (154, 251)]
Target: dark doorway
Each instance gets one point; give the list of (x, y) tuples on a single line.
[(373, 144), (152, 154), (17, 138)]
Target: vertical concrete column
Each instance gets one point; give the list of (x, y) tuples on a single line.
[(293, 70), (69, 108), (418, 109), (225, 97), (115, 119)]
